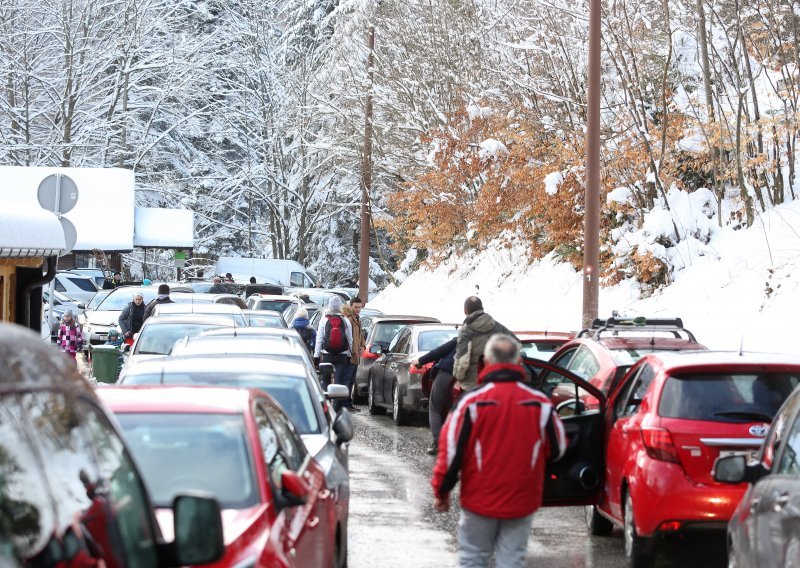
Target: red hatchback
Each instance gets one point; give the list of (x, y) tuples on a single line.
[(240, 447), (666, 422)]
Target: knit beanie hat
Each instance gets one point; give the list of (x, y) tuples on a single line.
[(335, 304), (301, 313)]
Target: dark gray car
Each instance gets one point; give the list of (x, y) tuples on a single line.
[(380, 333)]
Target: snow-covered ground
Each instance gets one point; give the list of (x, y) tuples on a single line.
[(742, 290)]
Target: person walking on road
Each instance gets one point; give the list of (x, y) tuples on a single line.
[(353, 314), (472, 337), (70, 336), (497, 438), (132, 317), (308, 334), (162, 298), (217, 288), (334, 340), (441, 377)]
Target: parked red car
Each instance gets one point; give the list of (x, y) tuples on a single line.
[(666, 422), (239, 446), (542, 345)]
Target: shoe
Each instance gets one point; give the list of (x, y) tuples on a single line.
[(432, 451), (354, 409)]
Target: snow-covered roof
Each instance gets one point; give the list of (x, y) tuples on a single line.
[(165, 228), (103, 213), (29, 233)]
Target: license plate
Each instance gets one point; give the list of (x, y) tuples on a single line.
[(749, 454)]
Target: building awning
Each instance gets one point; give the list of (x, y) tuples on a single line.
[(163, 228), (34, 232)]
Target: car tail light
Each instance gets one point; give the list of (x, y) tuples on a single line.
[(367, 355), (669, 526), (419, 370), (659, 446)]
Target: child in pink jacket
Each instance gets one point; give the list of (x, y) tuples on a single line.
[(70, 337)]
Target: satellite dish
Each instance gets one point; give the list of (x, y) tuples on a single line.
[(70, 234), (58, 199)]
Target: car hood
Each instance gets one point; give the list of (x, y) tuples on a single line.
[(134, 359), (234, 522), (103, 317)]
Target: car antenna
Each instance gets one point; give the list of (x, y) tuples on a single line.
[(741, 345)]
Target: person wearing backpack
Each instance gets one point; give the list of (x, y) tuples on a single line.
[(334, 338), (307, 333)]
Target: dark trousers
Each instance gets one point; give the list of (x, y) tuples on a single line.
[(439, 403), (340, 364), (347, 380)]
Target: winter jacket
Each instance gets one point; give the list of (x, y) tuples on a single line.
[(348, 329), (444, 355), (306, 332), (69, 338), (217, 289), (358, 335), (151, 306), (472, 338), (131, 318), (502, 475)]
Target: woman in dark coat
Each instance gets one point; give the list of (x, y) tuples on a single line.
[(132, 317)]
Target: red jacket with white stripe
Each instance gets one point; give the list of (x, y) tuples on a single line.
[(499, 437)]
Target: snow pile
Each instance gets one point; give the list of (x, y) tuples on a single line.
[(735, 287), (491, 148), (552, 181)]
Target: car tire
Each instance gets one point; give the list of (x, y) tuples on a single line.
[(399, 414), (373, 408), (638, 550), (597, 524), (732, 561)]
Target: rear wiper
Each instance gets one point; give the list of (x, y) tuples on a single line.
[(745, 414)]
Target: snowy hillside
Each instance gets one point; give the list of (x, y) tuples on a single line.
[(744, 287)]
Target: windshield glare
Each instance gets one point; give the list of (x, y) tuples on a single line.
[(179, 453), (292, 393), (121, 297)]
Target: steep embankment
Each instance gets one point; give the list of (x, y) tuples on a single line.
[(741, 286)]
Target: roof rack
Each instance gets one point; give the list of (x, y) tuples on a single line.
[(614, 325)]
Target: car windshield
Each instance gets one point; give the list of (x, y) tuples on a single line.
[(265, 321), (291, 392), (179, 453), (726, 397), (630, 355), (97, 299), (541, 350), (121, 297), (158, 339), (429, 340)]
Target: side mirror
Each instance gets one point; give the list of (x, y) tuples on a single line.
[(294, 489), (126, 348), (730, 469), (325, 369), (81, 306), (375, 349), (343, 426), (336, 391), (198, 530)]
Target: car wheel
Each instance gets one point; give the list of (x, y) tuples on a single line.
[(638, 550), (597, 524), (373, 408), (357, 398), (399, 414)]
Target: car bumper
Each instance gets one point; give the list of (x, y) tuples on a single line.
[(669, 496), (414, 399), (362, 376), (95, 335)]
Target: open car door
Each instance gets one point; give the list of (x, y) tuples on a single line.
[(576, 479)]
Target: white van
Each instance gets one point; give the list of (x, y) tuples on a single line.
[(273, 270), (80, 288)]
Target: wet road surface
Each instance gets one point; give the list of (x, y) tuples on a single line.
[(393, 524)]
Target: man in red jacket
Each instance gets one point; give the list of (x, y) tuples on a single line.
[(498, 437)]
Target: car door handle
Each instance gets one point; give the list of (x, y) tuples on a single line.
[(324, 494), (312, 522), (754, 504), (781, 501)]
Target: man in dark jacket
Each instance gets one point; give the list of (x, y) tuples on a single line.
[(441, 377), (472, 337), (132, 317), (162, 298), (217, 288), (308, 334), (497, 438)]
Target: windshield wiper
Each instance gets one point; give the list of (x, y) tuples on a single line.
[(149, 353), (745, 414)]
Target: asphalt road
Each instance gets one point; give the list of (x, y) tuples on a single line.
[(393, 524)]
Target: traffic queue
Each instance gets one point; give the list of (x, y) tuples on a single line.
[(232, 422)]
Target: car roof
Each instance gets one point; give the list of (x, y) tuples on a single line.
[(167, 319), (174, 398), (29, 363), (401, 318), (544, 335), (188, 307), (213, 363), (684, 359)]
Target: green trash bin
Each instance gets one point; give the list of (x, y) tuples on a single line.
[(105, 363)]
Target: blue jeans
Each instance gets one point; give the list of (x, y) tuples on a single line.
[(480, 538), (340, 364)]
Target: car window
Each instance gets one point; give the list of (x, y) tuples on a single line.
[(96, 299), (726, 397), (790, 459), (293, 447), (275, 305), (400, 342), (159, 339), (70, 484), (777, 433), (307, 281), (631, 397), (542, 350), (59, 286), (121, 297), (185, 452), (584, 364), (384, 332), (85, 284), (265, 321), (271, 449), (429, 340), (296, 279), (564, 359)]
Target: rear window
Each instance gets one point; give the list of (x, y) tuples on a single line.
[(429, 340), (276, 305), (385, 332), (542, 350), (159, 339), (739, 397)]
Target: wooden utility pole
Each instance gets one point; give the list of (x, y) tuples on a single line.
[(366, 176), (591, 222)]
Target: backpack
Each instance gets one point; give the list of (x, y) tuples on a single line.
[(334, 338), (308, 337)]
